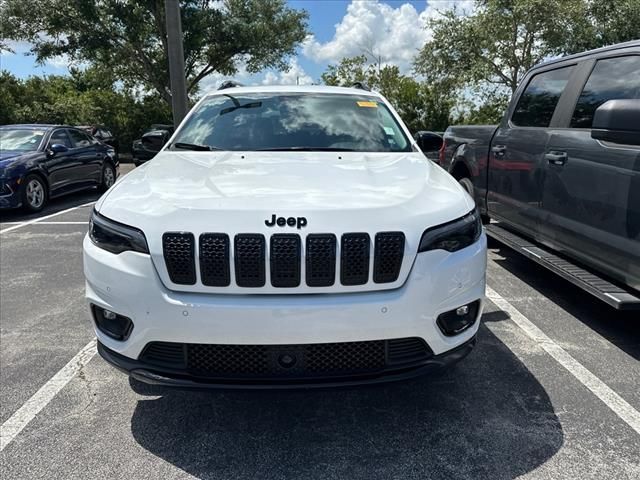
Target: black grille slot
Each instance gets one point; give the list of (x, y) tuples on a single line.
[(249, 260), (317, 360), (165, 354), (321, 260), (178, 252), (354, 258), (387, 260), (407, 350), (225, 360), (284, 260), (345, 357), (214, 259)]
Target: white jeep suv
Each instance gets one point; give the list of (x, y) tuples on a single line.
[(285, 236)]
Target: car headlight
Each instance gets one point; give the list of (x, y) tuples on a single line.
[(115, 237), (453, 236)]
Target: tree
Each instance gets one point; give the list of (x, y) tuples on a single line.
[(128, 37), (421, 106)]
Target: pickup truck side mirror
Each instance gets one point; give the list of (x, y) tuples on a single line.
[(428, 141), (155, 140), (617, 121)]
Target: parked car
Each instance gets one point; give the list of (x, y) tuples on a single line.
[(141, 153), (40, 162), (563, 169), (103, 134), (286, 236)]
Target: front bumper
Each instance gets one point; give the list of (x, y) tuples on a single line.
[(10, 194), (153, 375), (128, 284)]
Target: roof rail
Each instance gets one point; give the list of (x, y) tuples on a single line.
[(229, 84), (361, 86)]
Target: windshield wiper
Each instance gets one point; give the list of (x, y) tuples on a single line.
[(194, 146), (305, 149)]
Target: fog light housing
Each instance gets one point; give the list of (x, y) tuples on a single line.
[(112, 324), (459, 319)]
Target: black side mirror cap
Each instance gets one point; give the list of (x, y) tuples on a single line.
[(617, 121), (155, 140), (57, 148), (428, 141)]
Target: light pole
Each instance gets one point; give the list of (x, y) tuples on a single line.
[(179, 100)]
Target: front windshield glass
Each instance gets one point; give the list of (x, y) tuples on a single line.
[(20, 139), (285, 121)]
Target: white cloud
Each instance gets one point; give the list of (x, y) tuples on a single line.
[(377, 29), (294, 76)]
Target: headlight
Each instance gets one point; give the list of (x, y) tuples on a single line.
[(115, 237), (453, 236)]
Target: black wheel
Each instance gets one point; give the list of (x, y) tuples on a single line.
[(108, 177), (467, 184), (34, 194)]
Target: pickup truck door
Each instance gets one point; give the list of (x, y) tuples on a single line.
[(591, 194), (517, 152)]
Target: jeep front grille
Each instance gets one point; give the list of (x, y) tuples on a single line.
[(249, 254)]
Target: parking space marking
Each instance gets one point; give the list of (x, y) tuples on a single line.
[(21, 418), (601, 390), (38, 220)]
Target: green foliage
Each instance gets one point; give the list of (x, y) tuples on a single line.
[(128, 37), (84, 98), (421, 106)]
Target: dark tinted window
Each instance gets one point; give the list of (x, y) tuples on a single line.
[(60, 137), (289, 121), (538, 102), (611, 79), (80, 139)]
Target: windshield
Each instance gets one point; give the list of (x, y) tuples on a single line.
[(292, 122), (20, 139)]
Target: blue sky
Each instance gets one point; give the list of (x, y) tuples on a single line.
[(391, 29)]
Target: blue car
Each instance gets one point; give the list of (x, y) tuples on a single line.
[(40, 162)]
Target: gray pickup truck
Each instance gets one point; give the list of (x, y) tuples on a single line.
[(560, 175)]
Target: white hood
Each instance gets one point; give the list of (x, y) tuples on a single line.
[(235, 192)]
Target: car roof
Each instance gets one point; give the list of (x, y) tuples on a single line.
[(618, 46), (294, 89)]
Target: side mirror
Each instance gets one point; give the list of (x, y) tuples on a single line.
[(428, 141), (57, 148), (155, 140), (617, 121)]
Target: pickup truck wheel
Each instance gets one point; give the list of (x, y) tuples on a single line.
[(467, 184)]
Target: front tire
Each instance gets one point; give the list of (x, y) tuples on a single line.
[(108, 177), (34, 195)]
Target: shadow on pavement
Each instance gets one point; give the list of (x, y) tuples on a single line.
[(55, 205), (486, 418), (620, 328)]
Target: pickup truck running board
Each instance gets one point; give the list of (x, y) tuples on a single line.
[(600, 288)]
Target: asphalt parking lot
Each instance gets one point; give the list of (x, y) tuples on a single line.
[(551, 392)]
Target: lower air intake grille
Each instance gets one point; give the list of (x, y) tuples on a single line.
[(288, 361), (249, 260), (354, 258), (214, 259), (178, 253), (389, 250)]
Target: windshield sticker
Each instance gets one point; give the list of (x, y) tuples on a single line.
[(368, 104), (389, 131)]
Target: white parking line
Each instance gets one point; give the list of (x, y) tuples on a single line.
[(21, 418), (38, 220), (611, 399)]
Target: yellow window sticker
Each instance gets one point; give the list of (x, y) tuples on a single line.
[(368, 104)]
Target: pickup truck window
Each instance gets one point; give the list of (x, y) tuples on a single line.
[(611, 79), (292, 121), (538, 102)]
